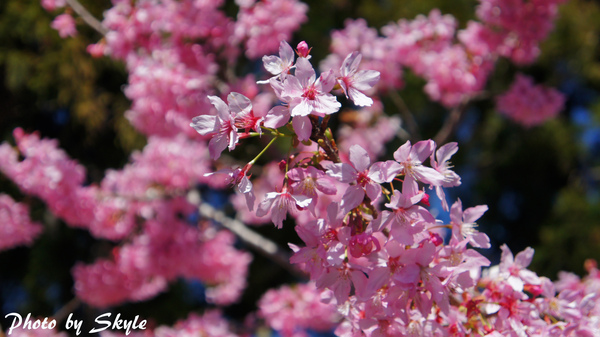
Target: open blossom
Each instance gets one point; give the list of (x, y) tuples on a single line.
[(279, 65), (411, 157), (441, 163), (222, 127), (307, 181), (367, 177), (306, 95), (464, 226), (407, 218), (279, 203), (354, 82), (529, 104)]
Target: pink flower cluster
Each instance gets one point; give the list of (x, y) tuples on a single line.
[(529, 104), (48, 173), (379, 251), (455, 64), (514, 28), (265, 23), (291, 310), (371, 244), (16, 228), (170, 71), (137, 206), (168, 248), (65, 25)]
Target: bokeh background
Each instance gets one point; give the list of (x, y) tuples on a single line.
[(541, 183)]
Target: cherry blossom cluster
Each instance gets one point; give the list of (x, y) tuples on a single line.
[(388, 268), (16, 228), (514, 28), (455, 63), (139, 208), (293, 310), (379, 262), (175, 51), (529, 104)]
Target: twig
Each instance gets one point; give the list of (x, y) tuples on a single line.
[(318, 136), (257, 242), (407, 116), (68, 308), (449, 124), (87, 17)]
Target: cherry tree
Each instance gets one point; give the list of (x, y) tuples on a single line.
[(376, 260)]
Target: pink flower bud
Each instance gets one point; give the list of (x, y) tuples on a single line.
[(425, 199), (282, 166), (302, 50), (435, 238)]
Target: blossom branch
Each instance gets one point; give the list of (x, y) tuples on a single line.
[(87, 17), (318, 135), (450, 124), (407, 116), (257, 242), (68, 308)]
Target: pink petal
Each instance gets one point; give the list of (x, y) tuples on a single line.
[(205, 124), (217, 144), (403, 152), (277, 117), (373, 191), (239, 103), (305, 72), (343, 172), (384, 172), (350, 64), (524, 258), (471, 214), (353, 197), (359, 98), (359, 158), (222, 108), (365, 79), (423, 149), (302, 127), (444, 153), (265, 205)]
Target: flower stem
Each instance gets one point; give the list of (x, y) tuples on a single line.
[(253, 161)]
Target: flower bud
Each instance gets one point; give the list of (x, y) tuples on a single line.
[(302, 50), (425, 199)]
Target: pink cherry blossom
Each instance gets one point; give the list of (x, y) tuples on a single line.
[(464, 226), (441, 163), (222, 127), (308, 95), (354, 82), (65, 25), (529, 104), (279, 203), (279, 65), (359, 172), (16, 227), (411, 157)]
